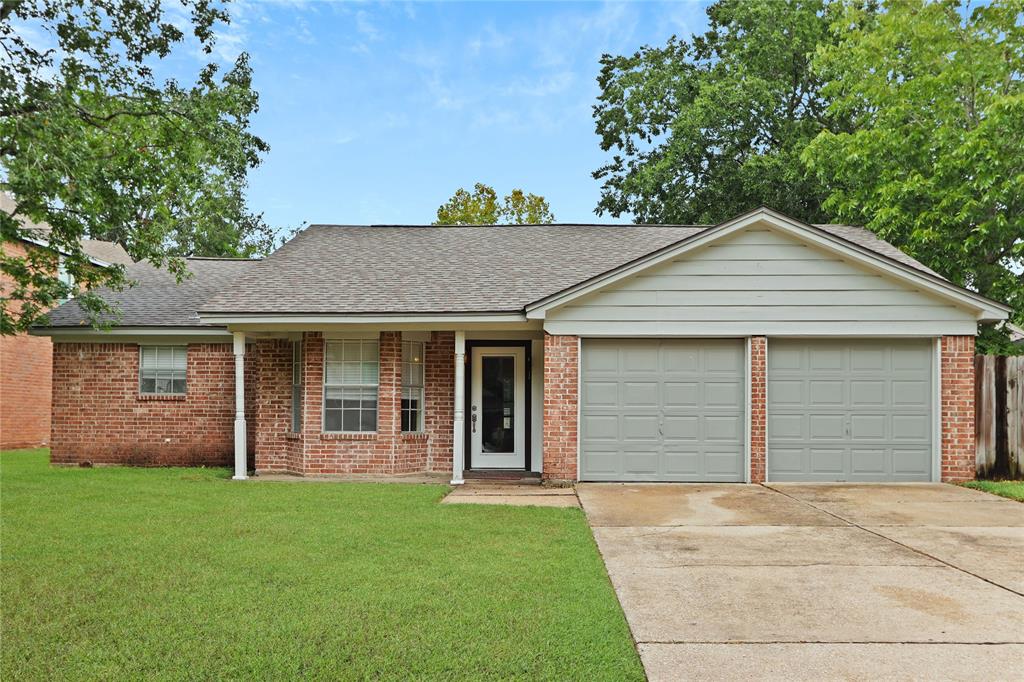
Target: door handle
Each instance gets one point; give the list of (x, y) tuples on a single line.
[(473, 421)]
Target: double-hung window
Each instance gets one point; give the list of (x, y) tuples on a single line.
[(412, 386), (351, 369), (162, 370), (296, 386)]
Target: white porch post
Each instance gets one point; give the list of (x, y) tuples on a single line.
[(458, 435), (240, 435)]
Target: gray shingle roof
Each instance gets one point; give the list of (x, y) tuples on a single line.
[(403, 269), (425, 269), (157, 300)]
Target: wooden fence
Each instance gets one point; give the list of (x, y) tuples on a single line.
[(999, 415)]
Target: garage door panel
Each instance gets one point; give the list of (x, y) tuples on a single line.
[(679, 409), (865, 412)]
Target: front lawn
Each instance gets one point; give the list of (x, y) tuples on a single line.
[(121, 573), (1012, 489)]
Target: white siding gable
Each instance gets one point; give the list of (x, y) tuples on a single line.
[(759, 281)]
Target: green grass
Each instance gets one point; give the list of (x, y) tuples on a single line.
[(122, 573), (1012, 489)]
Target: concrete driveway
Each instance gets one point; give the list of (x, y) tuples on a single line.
[(813, 582)]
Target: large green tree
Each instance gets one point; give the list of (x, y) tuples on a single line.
[(704, 129), (94, 145), (481, 207), (935, 160)]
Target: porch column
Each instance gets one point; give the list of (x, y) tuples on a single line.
[(458, 434), (240, 435)]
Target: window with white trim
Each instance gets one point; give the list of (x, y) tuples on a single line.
[(412, 386), (162, 370), (296, 386), (351, 369)]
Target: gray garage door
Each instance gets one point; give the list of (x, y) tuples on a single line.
[(850, 410), (662, 410)]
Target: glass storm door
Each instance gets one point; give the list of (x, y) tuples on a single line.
[(497, 408)]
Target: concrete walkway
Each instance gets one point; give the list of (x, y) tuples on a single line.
[(815, 582), (478, 491)]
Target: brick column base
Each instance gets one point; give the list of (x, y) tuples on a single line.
[(958, 446), (561, 399), (758, 406)]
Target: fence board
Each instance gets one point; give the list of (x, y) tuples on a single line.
[(999, 416)]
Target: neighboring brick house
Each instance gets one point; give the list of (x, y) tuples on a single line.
[(758, 349), (25, 361)]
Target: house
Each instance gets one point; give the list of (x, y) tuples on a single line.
[(25, 361), (760, 348)]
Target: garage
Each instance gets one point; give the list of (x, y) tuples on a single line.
[(662, 410), (850, 410)]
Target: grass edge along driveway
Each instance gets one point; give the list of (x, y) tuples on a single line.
[(173, 573), (1011, 489)]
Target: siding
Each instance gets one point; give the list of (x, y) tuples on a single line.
[(759, 281)]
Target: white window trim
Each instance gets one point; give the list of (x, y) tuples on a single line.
[(325, 386), (142, 348), (421, 426)]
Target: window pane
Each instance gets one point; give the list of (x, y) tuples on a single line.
[(148, 356), (178, 385), (351, 373), (148, 385), (369, 351), (332, 420), (163, 383), (351, 420), (370, 373), (180, 358), (296, 411), (332, 398), (368, 420), (334, 352)]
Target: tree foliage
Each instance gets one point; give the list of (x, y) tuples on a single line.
[(702, 130), (481, 207), (934, 162), (92, 144)]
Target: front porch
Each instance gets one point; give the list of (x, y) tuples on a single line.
[(386, 403)]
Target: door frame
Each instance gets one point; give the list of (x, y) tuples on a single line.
[(527, 345)]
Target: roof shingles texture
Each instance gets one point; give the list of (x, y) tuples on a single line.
[(157, 300), (420, 269)]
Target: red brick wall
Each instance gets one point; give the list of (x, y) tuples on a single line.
[(958, 446), (100, 417), (758, 406), (440, 399), (25, 390), (561, 397), (276, 449), (388, 451), (25, 379)]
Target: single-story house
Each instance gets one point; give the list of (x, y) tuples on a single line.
[(760, 348)]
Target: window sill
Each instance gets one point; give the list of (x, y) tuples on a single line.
[(414, 435), (162, 396), (348, 435)]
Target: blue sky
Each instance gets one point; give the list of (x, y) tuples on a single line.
[(376, 113)]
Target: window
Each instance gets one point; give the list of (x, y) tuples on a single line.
[(412, 385), (296, 386), (162, 370), (350, 385), (67, 279)]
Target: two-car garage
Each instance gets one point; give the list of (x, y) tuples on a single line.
[(677, 409)]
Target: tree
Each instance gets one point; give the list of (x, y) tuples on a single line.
[(482, 208), (702, 130), (93, 145), (935, 160)]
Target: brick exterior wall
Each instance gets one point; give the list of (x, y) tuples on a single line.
[(958, 445), (99, 417), (25, 380), (758, 407), (561, 398), (388, 450)]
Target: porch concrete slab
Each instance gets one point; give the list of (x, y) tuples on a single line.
[(514, 500), (993, 553), (685, 504), (816, 604), (433, 479), (800, 662), (628, 548), (909, 505)]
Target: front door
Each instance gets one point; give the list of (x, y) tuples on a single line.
[(497, 408)]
